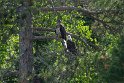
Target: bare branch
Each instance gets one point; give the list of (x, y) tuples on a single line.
[(43, 29), (83, 10), (101, 21), (66, 8), (54, 37), (11, 73), (115, 11), (44, 37)]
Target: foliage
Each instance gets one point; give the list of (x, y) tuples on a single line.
[(102, 63), (116, 70)]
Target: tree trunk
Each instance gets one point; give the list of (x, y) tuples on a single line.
[(25, 38)]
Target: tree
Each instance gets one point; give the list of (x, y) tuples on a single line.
[(116, 70), (26, 49), (94, 25)]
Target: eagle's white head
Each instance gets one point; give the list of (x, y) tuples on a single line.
[(69, 37)]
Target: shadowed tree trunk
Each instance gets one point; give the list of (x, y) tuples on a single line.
[(26, 58)]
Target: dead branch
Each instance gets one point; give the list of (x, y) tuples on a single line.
[(86, 12), (43, 29), (83, 10), (54, 37), (67, 8), (101, 21), (112, 11), (44, 38), (11, 73)]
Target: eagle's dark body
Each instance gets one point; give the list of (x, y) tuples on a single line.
[(61, 32), (71, 47)]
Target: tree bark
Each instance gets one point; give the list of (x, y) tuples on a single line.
[(25, 38)]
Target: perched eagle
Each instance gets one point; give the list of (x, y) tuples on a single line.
[(71, 45), (60, 31)]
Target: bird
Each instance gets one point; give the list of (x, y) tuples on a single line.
[(71, 45), (60, 30), (61, 34)]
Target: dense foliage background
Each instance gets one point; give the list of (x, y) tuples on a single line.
[(100, 61)]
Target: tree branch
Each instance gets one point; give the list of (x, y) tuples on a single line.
[(113, 11), (101, 21), (85, 11), (67, 8), (44, 37), (54, 37), (11, 73), (43, 29)]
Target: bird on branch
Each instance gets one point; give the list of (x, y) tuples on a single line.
[(71, 45), (60, 30), (61, 34)]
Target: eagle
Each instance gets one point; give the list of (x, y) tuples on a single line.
[(60, 31), (71, 45), (61, 34)]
